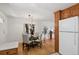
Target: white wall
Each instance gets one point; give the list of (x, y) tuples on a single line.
[(13, 28), (16, 27), (3, 28)]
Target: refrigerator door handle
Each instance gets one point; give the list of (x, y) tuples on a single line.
[(75, 39)]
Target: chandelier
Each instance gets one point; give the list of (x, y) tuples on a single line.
[(29, 19)]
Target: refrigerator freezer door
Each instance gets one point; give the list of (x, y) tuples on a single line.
[(77, 25), (67, 44), (69, 24)]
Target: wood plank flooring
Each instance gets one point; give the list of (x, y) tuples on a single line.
[(47, 49)]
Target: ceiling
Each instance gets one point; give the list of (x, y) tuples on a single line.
[(37, 10)]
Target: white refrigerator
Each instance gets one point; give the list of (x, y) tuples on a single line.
[(69, 36)]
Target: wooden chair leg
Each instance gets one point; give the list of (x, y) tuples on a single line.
[(23, 46), (40, 44), (28, 47)]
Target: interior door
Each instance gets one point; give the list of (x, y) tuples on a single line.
[(3, 32)]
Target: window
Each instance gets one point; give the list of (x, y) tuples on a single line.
[(1, 20)]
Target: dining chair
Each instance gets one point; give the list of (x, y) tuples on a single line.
[(26, 41)]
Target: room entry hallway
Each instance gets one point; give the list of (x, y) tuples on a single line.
[(46, 49)]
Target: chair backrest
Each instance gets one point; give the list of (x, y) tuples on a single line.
[(25, 38), (39, 35), (36, 34)]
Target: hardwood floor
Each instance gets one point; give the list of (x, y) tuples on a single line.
[(47, 49)]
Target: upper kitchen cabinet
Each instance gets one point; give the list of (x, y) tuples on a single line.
[(70, 12), (75, 10), (65, 13)]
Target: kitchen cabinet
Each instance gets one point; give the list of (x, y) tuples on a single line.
[(65, 13), (75, 10)]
